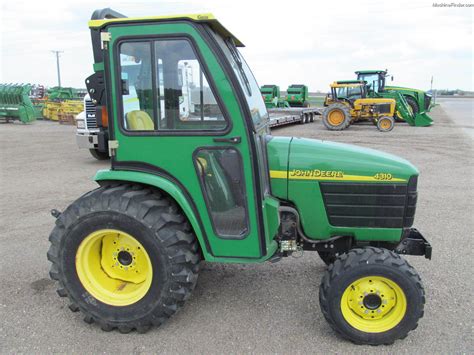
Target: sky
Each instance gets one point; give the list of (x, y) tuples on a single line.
[(313, 43)]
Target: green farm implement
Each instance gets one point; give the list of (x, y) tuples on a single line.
[(297, 95), (63, 102), (199, 178), (412, 104), (15, 103), (271, 97)]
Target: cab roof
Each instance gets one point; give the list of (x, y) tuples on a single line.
[(371, 71), (201, 18), (347, 84)]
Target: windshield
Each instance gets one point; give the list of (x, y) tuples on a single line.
[(372, 81), (349, 92), (247, 81)]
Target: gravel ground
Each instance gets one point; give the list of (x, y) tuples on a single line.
[(267, 308)]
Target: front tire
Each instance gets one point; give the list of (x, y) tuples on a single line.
[(99, 155), (385, 123), (372, 296), (125, 257)]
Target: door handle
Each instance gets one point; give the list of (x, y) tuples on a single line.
[(233, 140)]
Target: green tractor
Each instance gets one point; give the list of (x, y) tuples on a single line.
[(412, 104), (297, 95), (271, 97), (199, 178)]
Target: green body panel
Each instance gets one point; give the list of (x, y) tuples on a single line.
[(15, 103), (297, 95), (353, 163), (277, 150), (271, 219), (163, 151)]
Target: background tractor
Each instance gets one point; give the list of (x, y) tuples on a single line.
[(205, 181), (297, 95), (412, 104), (348, 103)]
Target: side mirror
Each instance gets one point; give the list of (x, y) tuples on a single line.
[(392, 77)]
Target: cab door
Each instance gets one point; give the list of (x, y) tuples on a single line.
[(175, 114)]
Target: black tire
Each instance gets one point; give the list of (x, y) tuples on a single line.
[(371, 262), (413, 104), (158, 224), (385, 123), (327, 257), (341, 108), (99, 155)]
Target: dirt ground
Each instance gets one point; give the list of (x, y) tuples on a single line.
[(267, 308)]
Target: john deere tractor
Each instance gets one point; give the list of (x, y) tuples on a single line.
[(412, 104), (348, 103), (200, 178)]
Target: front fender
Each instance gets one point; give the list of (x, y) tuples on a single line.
[(164, 184)]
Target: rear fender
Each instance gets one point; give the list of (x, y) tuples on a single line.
[(166, 185)]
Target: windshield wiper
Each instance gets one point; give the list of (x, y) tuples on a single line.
[(235, 55)]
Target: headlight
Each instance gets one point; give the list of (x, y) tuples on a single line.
[(80, 124)]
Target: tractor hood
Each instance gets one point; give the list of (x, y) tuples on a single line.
[(309, 159), (402, 89)]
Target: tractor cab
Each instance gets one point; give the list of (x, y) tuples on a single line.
[(346, 90), (375, 79)]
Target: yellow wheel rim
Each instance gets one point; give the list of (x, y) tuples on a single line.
[(373, 304), (385, 124), (114, 267), (336, 117)]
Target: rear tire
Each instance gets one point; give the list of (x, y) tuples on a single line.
[(99, 155), (372, 296), (156, 226), (336, 117)]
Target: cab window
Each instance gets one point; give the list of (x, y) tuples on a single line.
[(164, 88)]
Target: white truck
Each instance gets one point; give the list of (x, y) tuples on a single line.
[(87, 134)]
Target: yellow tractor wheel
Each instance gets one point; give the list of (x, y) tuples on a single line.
[(385, 124), (372, 296), (337, 117), (125, 256)]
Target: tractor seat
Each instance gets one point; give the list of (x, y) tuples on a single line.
[(139, 121)]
